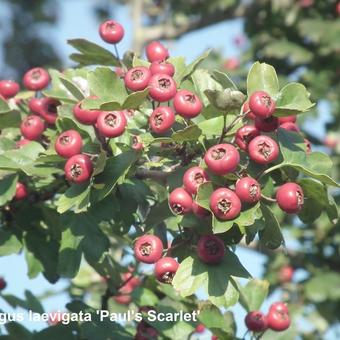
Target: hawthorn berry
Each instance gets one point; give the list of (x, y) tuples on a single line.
[(55, 318), (155, 51), (32, 127), (162, 119), (137, 143), (210, 249), (165, 269), (198, 210), (78, 168), (286, 274), (187, 104), (290, 127), (200, 328), (180, 201), (111, 124), (9, 88), (248, 190), (222, 159), (145, 331), (256, 321), (20, 143), (193, 178), (130, 283), (261, 104), (20, 191), (137, 78), (35, 104), (85, 116), (287, 119), (68, 144), (245, 109), (122, 299), (47, 109), (162, 67), (36, 79), (263, 150), (214, 337), (267, 124), (162, 87), (290, 197), (148, 249), (111, 31), (3, 283), (278, 321), (225, 204), (279, 307), (244, 135), (308, 146)]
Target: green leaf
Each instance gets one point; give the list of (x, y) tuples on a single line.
[(216, 281), (135, 99), (262, 77), (76, 197), (179, 64), (76, 92), (223, 79), (323, 287), (271, 236), (9, 244), (33, 303), (92, 54), (253, 294), (7, 188), (227, 100), (17, 331), (144, 297), (190, 133), (193, 66), (10, 119), (4, 108), (293, 99)]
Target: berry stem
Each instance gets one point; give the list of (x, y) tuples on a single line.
[(103, 143), (118, 57), (268, 198)]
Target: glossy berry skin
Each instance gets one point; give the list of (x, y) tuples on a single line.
[(162, 87), (256, 321), (250, 115), (278, 321), (287, 119), (225, 204), (244, 135), (180, 201), (68, 144), (78, 168), (47, 109), (290, 127), (36, 79), (3, 283), (148, 249), (165, 269), (222, 159), (111, 31), (280, 307), (162, 119), (162, 67), (210, 249), (263, 150), (137, 78), (155, 51), (32, 127), (9, 88), (187, 104), (193, 178), (20, 191), (290, 197), (111, 124), (248, 190), (200, 328), (85, 116), (267, 125), (35, 104), (261, 104), (199, 211)]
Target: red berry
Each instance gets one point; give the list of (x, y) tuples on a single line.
[(78, 168), (180, 201), (47, 108), (165, 269), (111, 124), (162, 119), (338, 8), (20, 191), (131, 282), (278, 321), (263, 150), (210, 249), (222, 159), (122, 299), (330, 142), (68, 144), (32, 127), (137, 78), (155, 51), (279, 307), (200, 328), (35, 104), (148, 249), (261, 104), (248, 190), (267, 124), (250, 115), (111, 31), (162, 87), (193, 178), (162, 67), (290, 197), (85, 116), (120, 72), (214, 337), (290, 127), (9, 88), (36, 79), (225, 204), (187, 104), (55, 318), (198, 210), (3, 283), (231, 64), (308, 146), (256, 321), (20, 143), (244, 135), (137, 143), (287, 119)]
